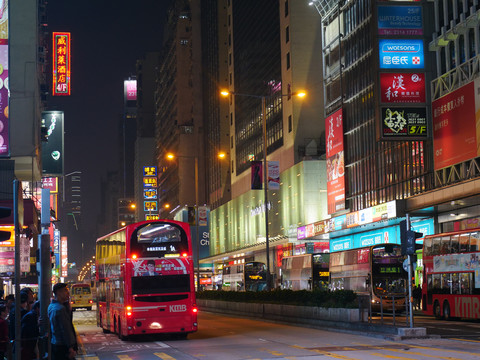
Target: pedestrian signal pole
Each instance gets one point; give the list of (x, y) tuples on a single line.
[(44, 267)]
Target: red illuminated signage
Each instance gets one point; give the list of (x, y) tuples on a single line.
[(402, 87), (335, 162), (61, 63), (454, 126)]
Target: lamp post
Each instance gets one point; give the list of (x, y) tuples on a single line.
[(171, 156), (265, 164)]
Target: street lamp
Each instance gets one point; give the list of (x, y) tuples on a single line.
[(300, 94), (171, 156)]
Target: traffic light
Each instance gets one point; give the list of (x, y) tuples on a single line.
[(408, 239), (5, 212)]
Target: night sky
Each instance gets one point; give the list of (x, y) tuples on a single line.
[(107, 37)]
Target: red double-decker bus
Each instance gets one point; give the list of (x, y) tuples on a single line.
[(144, 275), (451, 275)]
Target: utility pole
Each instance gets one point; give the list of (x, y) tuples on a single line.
[(44, 267)]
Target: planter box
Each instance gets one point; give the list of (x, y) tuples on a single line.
[(284, 312)]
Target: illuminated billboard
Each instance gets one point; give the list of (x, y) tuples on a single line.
[(400, 20), (456, 118), (130, 89), (402, 87), (4, 91), (53, 149), (400, 122), (61, 63), (335, 162), (401, 54)]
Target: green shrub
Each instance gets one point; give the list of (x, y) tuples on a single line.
[(320, 298)]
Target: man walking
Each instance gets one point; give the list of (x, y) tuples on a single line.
[(30, 333), (63, 338)]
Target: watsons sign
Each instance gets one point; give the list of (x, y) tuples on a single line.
[(401, 54)]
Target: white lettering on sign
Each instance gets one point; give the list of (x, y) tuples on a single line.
[(178, 308)]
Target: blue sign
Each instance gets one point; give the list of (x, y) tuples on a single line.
[(382, 236), (401, 54), (426, 227), (341, 244), (400, 20)]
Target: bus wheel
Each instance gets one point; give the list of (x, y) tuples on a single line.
[(446, 311), (120, 336), (437, 311), (105, 331)]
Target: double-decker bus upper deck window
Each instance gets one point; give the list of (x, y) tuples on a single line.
[(427, 247), (159, 240), (474, 241), (464, 242)]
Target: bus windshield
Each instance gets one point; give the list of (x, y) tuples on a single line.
[(388, 274), (158, 240)]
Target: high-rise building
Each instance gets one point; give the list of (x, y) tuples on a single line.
[(146, 69), (271, 53), (179, 127)]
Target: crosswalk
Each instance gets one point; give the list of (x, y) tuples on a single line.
[(394, 350)]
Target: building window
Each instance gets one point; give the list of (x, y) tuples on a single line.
[(287, 34), (289, 123), (229, 20), (286, 8), (231, 141), (231, 118), (233, 168), (230, 59), (288, 61), (231, 78)]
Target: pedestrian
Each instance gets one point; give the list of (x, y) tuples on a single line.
[(62, 337), (31, 297), (9, 301), (30, 332), (70, 314), (417, 296), (11, 315), (4, 340)]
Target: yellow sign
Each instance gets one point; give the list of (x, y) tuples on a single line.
[(150, 182), (152, 217)]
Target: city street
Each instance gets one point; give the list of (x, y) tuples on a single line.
[(226, 337)]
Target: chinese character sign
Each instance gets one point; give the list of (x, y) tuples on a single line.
[(335, 162), (64, 256), (61, 63), (402, 87), (401, 54)]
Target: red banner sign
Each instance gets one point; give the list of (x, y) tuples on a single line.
[(335, 162), (61, 63), (402, 87), (454, 126)]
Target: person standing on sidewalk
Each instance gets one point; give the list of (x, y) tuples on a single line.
[(62, 337)]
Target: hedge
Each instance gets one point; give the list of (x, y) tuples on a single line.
[(319, 298)]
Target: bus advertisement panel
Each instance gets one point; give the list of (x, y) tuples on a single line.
[(451, 278), (145, 279)]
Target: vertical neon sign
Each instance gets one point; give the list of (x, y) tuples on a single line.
[(61, 63)]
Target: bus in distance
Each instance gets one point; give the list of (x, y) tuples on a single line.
[(451, 275), (144, 275), (305, 272), (249, 276), (376, 271)]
